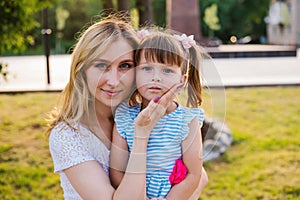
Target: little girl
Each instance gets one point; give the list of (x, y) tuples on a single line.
[(163, 60)]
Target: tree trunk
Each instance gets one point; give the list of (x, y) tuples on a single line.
[(124, 6), (145, 11), (107, 7), (107, 4)]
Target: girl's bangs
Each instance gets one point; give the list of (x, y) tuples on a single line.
[(162, 56)]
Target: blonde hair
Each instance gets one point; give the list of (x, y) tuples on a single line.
[(163, 47), (76, 100)]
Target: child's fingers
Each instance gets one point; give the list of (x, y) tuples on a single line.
[(145, 116), (168, 97)]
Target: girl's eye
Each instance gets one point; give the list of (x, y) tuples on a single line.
[(146, 68), (126, 65), (101, 66), (167, 71)]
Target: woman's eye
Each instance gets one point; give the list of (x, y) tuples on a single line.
[(126, 66), (167, 71), (101, 66)]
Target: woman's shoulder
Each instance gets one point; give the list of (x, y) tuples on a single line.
[(68, 145), (68, 134), (63, 129)]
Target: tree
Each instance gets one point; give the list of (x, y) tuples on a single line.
[(17, 20), (237, 17), (123, 5), (145, 11), (211, 19)]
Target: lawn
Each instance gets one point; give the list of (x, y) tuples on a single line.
[(263, 162)]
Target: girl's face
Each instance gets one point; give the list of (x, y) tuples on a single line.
[(154, 79), (110, 78)]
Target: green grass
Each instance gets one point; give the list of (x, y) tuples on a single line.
[(263, 163)]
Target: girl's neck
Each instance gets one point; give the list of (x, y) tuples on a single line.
[(170, 108)]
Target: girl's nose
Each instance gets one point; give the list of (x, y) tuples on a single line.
[(156, 77)]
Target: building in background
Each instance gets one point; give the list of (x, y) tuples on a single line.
[(283, 22)]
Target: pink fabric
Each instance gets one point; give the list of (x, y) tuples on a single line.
[(178, 173)]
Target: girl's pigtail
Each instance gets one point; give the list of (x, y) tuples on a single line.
[(194, 86)]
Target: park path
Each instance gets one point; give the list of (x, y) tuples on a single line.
[(28, 73)]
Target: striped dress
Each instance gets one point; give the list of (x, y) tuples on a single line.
[(164, 146)]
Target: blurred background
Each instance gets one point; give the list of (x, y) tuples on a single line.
[(25, 22)]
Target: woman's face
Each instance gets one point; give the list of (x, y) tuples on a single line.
[(110, 78)]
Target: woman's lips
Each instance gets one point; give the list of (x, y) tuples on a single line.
[(111, 93)]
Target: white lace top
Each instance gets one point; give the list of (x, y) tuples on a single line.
[(69, 147)]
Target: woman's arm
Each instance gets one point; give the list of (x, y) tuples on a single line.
[(91, 182), (118, 158), (192, 158), (202, 184)]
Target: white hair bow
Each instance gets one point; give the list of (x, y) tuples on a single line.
[(142, 34), (186, 41)]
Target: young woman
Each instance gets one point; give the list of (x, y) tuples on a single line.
[(164, 60)]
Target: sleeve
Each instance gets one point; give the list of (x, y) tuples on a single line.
[(189, 114), (199, 113), (122, 119), (67, 148)]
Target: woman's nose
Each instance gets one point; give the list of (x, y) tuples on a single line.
[(113, 77)]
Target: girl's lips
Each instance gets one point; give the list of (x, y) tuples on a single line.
[(154, 88)]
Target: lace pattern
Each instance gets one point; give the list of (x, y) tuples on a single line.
[(69, 147)]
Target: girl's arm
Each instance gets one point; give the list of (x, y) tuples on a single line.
[(192, 158)]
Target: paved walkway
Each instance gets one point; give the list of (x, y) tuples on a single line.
[(28, 73)]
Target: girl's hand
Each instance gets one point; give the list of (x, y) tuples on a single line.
[(157, 107)]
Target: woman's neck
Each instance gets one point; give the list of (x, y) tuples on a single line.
[(101, 121)]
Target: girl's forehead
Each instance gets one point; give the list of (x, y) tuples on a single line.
[(160, 56)]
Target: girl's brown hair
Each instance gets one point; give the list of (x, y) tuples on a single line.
[(165, 48)]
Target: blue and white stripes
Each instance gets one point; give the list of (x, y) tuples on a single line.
[(164, 145)]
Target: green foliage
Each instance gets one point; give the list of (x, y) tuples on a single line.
[(239, 18), (211, 18), (159, 12), (263, 162), (3, 71), (16, 23), (77, 19)]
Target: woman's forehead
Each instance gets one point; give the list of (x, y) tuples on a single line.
[(119, 49)]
